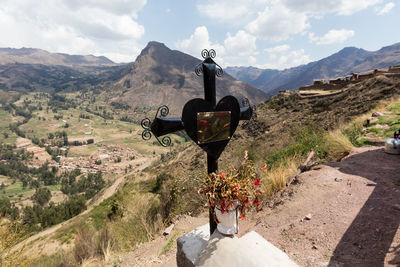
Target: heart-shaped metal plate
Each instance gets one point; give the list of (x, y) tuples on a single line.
[(211, 128)]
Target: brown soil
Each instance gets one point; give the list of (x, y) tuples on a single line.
[(23, 142), (354, 207), (148, 254)]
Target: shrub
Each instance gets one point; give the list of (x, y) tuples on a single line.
[(336, 145), (275, 179), (42, 196), (353, 132), (303, 141), (85, 246), (161, 178)]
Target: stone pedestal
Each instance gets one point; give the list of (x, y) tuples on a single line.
[(197, 249)]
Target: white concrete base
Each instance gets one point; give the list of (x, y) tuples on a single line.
[(191, 245), (194, 249)]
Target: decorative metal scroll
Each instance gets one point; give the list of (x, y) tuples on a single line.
[(209, 54), (165, 141), (146, 134), (209, 124)]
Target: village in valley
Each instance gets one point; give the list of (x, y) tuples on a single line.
[(107, 159), (72, 132)]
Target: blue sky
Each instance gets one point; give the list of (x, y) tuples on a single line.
[(262, 33)]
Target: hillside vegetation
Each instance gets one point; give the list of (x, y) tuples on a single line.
[(285, 129)]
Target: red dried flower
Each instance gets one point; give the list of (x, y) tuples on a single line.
[(256, 182), (223, 208), (264, 167), (256, 202), (237, 184)]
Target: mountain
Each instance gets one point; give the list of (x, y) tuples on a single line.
[(55, 78), (39, 56), (163, 76), (29, 69), (346, 61)]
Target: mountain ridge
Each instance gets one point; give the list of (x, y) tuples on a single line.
[(39, 56), (343, 62), (161, 76)]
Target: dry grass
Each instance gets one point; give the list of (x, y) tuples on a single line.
[(10, 234), (106, 242), (140, 223), (335, 144), (338, 145), (85, 245), (275, 179)]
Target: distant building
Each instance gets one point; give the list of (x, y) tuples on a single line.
[(394, 69)]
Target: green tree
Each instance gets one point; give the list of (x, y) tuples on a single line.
[(42, 196)]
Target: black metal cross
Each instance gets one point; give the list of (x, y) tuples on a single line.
[(208, 123)]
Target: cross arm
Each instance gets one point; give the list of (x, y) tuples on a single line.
[(163, 126), (245, 113)]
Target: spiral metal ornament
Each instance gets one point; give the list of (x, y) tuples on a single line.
[(165, 141), (199, 69), (208, 53), (212, 53), (219, 72), (204, 53), (146, 123), (146, 135), (162, 111)]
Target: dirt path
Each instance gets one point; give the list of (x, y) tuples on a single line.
[(108, 192), (355, 213), (354, 207)]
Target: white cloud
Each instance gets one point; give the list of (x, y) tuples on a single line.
[(251, 60), (77, 27), (117, 7), (241, 44), (277, 49), (242, 10), (349, 7), (385, 9), (276, 23), (230, 11), (340, 7), (277, 20), (198, 41), (331, 37), (281, 57), (239, 49)]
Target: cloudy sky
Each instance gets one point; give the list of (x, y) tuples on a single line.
[(263, 33)]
